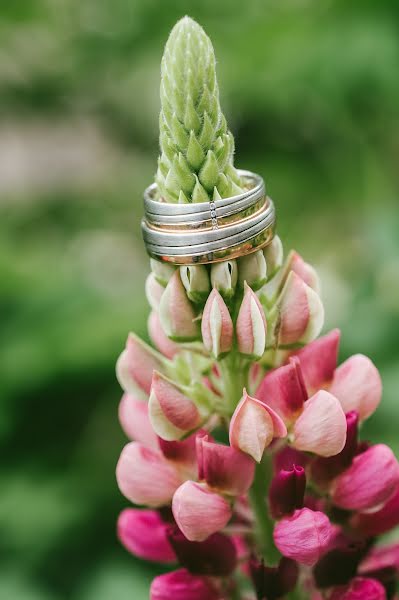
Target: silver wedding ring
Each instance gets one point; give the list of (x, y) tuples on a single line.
[(212, 231)]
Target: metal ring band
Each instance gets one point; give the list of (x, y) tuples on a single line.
[(209, 231)]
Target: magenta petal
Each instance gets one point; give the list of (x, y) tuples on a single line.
[(376, 523), (360, 588), (286, 492), (223, 467), (319, 360), (182, 585), (144, 534)]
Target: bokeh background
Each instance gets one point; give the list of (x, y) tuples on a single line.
[(311, 90)]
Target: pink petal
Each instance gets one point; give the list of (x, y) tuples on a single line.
[(182, 585), (321, 428), (133, 417), (176, 313), (135, 365), (144, 534), (319, 360), (160, 340), (198, 511), (216, 325), (251, 325), (359, 588)]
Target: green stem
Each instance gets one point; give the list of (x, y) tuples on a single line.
[(234, 376), (263, 522)]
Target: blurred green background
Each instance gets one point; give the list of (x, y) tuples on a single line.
[(311, 90)]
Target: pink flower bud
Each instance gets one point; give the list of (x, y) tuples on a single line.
[(153, 291), (305, 271), (145, 477), (144, 534), (370, 480), (319, 360), (274, 582), (287, 457), (376, 523), (273, 254), (176, 312), (216, 325), (287, 491), (160, 340), (135, 365), (321, 428), (253, 427), (198, 511), (357, 385), (133, 417), (172, 414), (301, 312), (224, 467), (304, 537), (284, 390), (251, 325), (217, 555), (182, 585), (360, 588)]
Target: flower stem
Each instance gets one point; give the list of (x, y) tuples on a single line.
[(263, 523)]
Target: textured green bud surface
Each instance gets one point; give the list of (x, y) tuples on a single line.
[(197, 149)]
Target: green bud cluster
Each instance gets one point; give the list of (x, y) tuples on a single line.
[(197, 149)]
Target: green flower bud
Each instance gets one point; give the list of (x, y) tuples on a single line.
[(196, 147), (252, 269), (224, 277), (195, 279), (162, 271)]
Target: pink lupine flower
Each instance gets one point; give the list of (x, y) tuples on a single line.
[(144, 476), (144, 534), (319, 361), (369, 482), (286, 492), (304, 536), (251, 325), (153, 291), (381, 521), (216, 325), (253, 427), (321, 428), (217, 555), (274, 582), (324, 469), (135, 422), (360, 588), (287, 457), (171, 413), (183, 453), (223, 467), (135, 365), (158, 337), (182, 585), (176, 312), (198, 511), (284, 390), (301, 312), (305, 271), (357, 385)]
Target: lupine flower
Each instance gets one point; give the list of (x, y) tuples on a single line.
[(158, 337), (304, 536), (135, 366), (369, 482), (300, 313), (360, 588), (217, 325), (254, 426), (357, 385), (223, 467), (251, 325), (182, 585), (144, 534), (176, 313), (135, 422), (145, 477), (198, 511), (321, 427), (171, 413), (320, 495)]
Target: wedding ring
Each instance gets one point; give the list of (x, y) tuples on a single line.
[(211, 231)]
